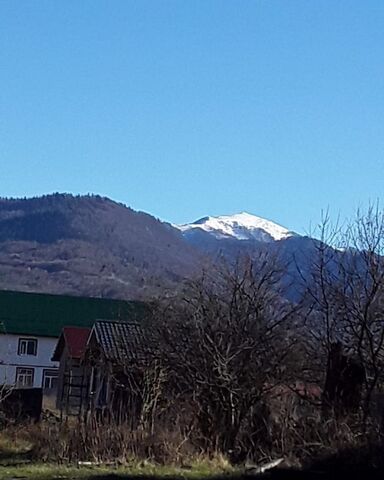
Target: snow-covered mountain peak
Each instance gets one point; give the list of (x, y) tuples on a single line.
[(241, 226)]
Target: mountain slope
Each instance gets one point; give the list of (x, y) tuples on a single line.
[(231, 236), (89, 245), (92, 246)]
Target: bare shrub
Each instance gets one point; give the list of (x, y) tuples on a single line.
[(224, 345), (78, 441), (345, 297)]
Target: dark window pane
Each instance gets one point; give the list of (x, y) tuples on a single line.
[(22, 347), (50, 379), (27, 346), (24, 377)]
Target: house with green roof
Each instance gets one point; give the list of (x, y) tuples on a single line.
[(30, 324)]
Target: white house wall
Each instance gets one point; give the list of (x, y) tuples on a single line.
[(10, 360)]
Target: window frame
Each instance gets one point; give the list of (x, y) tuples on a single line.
[(50, 373), (26, 341), (18, 384)]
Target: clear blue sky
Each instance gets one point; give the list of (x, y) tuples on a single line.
[(194, 107)]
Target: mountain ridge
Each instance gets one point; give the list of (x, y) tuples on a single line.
[(93, 246), (89, 245)]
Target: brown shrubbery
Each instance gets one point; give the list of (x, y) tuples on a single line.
[(236, 370), (298, 442)]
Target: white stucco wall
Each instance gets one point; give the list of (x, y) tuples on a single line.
[(10, 360)]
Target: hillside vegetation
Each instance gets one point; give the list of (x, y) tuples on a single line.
[(89, 245)]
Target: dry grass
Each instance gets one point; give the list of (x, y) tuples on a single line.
[(14, 445), (117, 449)]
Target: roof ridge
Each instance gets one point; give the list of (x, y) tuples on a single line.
[(72, 327), (107, 320), (65, 295)]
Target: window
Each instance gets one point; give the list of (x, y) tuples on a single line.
[(50, 378), (24, 377), (27, 346)]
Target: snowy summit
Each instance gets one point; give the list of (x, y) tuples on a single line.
[(241, 226)]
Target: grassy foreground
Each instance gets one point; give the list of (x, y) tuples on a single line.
[(16, 462), (51, 472)]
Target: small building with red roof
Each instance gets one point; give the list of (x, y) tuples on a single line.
[(72, 343), (69, 351)]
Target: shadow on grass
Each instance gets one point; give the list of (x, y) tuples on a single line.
[(11, 457), (366, 473), (280, 474), (347, 464)]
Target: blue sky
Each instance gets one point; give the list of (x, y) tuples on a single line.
[(194, 107)]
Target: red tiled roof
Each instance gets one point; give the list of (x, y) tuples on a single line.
[(75, 338)]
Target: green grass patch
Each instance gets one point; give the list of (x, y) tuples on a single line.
[(202, 470)]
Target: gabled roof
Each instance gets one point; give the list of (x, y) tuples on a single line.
[(120, 341), (46, 315), (75, 339)]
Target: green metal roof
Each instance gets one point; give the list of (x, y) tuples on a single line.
[(45, 315)]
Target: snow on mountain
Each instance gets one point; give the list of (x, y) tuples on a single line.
[(241, 226)]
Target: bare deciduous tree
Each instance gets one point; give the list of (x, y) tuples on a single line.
[(345, 292), (225, 344)]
